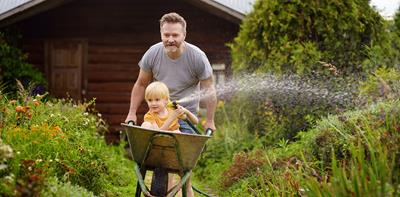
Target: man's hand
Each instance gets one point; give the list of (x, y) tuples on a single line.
[(210, 124), (131, 117)]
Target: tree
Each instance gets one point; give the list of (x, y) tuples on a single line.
[(297, 35)]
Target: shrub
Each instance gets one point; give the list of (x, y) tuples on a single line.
[(59, 139), (56, 188), (14, 66), (380, 85), (292, 36)]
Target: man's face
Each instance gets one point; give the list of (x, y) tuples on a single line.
[(172, 36)]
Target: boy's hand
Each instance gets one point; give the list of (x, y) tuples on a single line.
[(177, 113), (184, 112)]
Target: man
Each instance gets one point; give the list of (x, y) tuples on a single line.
[(183, 67)]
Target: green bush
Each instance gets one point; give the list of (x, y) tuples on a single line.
[(60, 139), (383, 84), (14, 66), (293, 36), (57, 188), (396, 21)]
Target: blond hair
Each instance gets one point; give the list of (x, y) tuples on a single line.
[(156, 89), (173, 18)]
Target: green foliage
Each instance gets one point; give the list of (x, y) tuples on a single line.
[(371, 167), (353, 153), (57, 188), (293, 35), (60, 140), (382, 84), (231, 137), (13, 65), (386, 53), (397, 22), (368, 172)]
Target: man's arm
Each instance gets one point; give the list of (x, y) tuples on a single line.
[(137, 94), (210, 101)]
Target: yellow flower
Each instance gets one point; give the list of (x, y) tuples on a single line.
[(221, 104)]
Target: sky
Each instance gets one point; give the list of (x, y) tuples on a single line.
[(387, 8)]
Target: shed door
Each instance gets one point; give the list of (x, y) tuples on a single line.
[(65, 61)]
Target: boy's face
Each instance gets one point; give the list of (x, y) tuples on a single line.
[(156, 104)]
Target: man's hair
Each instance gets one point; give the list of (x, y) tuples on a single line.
[(173, 18), (156, 89)]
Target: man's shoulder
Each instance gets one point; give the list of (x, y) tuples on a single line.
[(152, 53), (193, 48), (156, 47)]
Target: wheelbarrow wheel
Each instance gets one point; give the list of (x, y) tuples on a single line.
[(159, 182)]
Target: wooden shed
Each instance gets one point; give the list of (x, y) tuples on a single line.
[(91, 48)]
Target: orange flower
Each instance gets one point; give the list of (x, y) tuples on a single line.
[(36, 103), (29, 114), (58, 128), (19, 108)]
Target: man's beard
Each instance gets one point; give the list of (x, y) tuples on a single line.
[(172, 47)]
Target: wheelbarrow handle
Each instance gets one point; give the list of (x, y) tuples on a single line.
[(131, 123), (209, 132)]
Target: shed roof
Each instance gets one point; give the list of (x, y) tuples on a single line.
[(19, 9), (242, 6), (6, 5)]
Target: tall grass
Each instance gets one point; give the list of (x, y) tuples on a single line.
[(372, 168)]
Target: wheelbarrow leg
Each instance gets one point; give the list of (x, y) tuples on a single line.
[(159, 182), (140, 187), (138, 190), (181, 185), (184, 190)]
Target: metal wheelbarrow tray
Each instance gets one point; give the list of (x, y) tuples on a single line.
[(157, 149)]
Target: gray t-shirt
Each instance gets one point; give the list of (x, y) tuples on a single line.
[(182, 76)]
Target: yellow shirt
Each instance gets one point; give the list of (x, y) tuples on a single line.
[(154, 118)]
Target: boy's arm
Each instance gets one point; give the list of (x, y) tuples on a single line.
[(168, 122), (193, 119), (149, 125)]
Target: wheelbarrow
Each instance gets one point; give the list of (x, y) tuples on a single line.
[(163, 152)]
